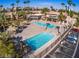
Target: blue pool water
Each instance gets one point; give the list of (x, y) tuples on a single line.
[(38, 40), (44, 24)]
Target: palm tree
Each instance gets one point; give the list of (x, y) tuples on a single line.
[(12, 6), (17, 2), (6, 46), (2, 20), (12, 10), (52, 8), (66, 7), (62, 17), (1, 7), (26, 2), (74, 5), (77, 22), (63, 4), (70, 4), (47, 24), (58, 28), (44, 11)]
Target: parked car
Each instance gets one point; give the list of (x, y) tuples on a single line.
[(72, 38)]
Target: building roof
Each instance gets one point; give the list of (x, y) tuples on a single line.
[(53, 12), (36, 12)]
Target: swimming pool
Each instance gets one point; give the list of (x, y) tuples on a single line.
[(42, 24), (38, 40)]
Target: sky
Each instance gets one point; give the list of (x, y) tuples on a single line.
[(41, 3)]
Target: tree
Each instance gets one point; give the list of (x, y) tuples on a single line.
[(2, 21), (26, 2), (52, 8), (63, 4), (6, 46), (12, 6), (47, 24), (44, 11), (1, 7), (74, 5), (66, 7), (22, 14), (17, 2), (71, 4), (77, 22), (58, 29), (62, 17)]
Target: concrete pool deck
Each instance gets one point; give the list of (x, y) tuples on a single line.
[(34, 29)]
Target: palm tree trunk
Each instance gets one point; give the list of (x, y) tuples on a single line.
[(58, 31), (17, 10)]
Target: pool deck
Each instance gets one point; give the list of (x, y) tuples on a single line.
[(33, 30)]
